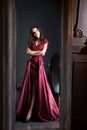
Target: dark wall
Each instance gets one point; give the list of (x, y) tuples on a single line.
[(47, 15)]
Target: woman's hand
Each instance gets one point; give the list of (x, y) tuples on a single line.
[(28, 51), (43, 52)]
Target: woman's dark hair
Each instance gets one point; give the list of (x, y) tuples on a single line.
[(32, 38)]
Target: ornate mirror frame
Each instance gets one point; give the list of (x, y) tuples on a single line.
[(8, 64)]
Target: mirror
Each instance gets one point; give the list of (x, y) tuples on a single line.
[(47, 15), (8, 67)]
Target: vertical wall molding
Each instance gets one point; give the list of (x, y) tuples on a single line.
[(66, 64), (8, 42)]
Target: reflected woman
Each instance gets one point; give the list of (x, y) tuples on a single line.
[(36, 101)]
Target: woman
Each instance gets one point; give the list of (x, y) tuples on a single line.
[(36, 100)]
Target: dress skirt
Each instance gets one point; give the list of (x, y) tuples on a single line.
[(45, 107)]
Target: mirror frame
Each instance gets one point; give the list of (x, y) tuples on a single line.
[(8, 64)]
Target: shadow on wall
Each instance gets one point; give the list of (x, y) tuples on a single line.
[(54, 77)]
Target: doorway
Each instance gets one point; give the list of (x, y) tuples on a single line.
[(8, 59)]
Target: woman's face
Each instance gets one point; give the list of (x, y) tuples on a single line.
[(36, 32)]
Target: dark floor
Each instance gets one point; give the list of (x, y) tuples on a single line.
[(37, 125)]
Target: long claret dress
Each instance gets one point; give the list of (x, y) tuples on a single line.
[(45, 107)]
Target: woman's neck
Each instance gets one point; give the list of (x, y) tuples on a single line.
[(37, 42)]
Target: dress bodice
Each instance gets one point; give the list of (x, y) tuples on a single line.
[(35, 47)]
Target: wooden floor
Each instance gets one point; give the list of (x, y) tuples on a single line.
[(37, 125)]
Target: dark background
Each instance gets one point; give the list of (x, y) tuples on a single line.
[(47, 15)]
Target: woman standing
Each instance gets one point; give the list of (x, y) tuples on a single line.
[(36, 100)]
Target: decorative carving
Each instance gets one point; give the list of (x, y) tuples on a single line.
[(79, 39), (77, 32)]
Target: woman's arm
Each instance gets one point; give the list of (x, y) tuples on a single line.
[(37, 53), (44, 49), (33, 53)]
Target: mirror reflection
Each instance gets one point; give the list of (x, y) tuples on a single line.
[(38, 63)]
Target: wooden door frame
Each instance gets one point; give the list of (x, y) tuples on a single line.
[(8, 64)]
